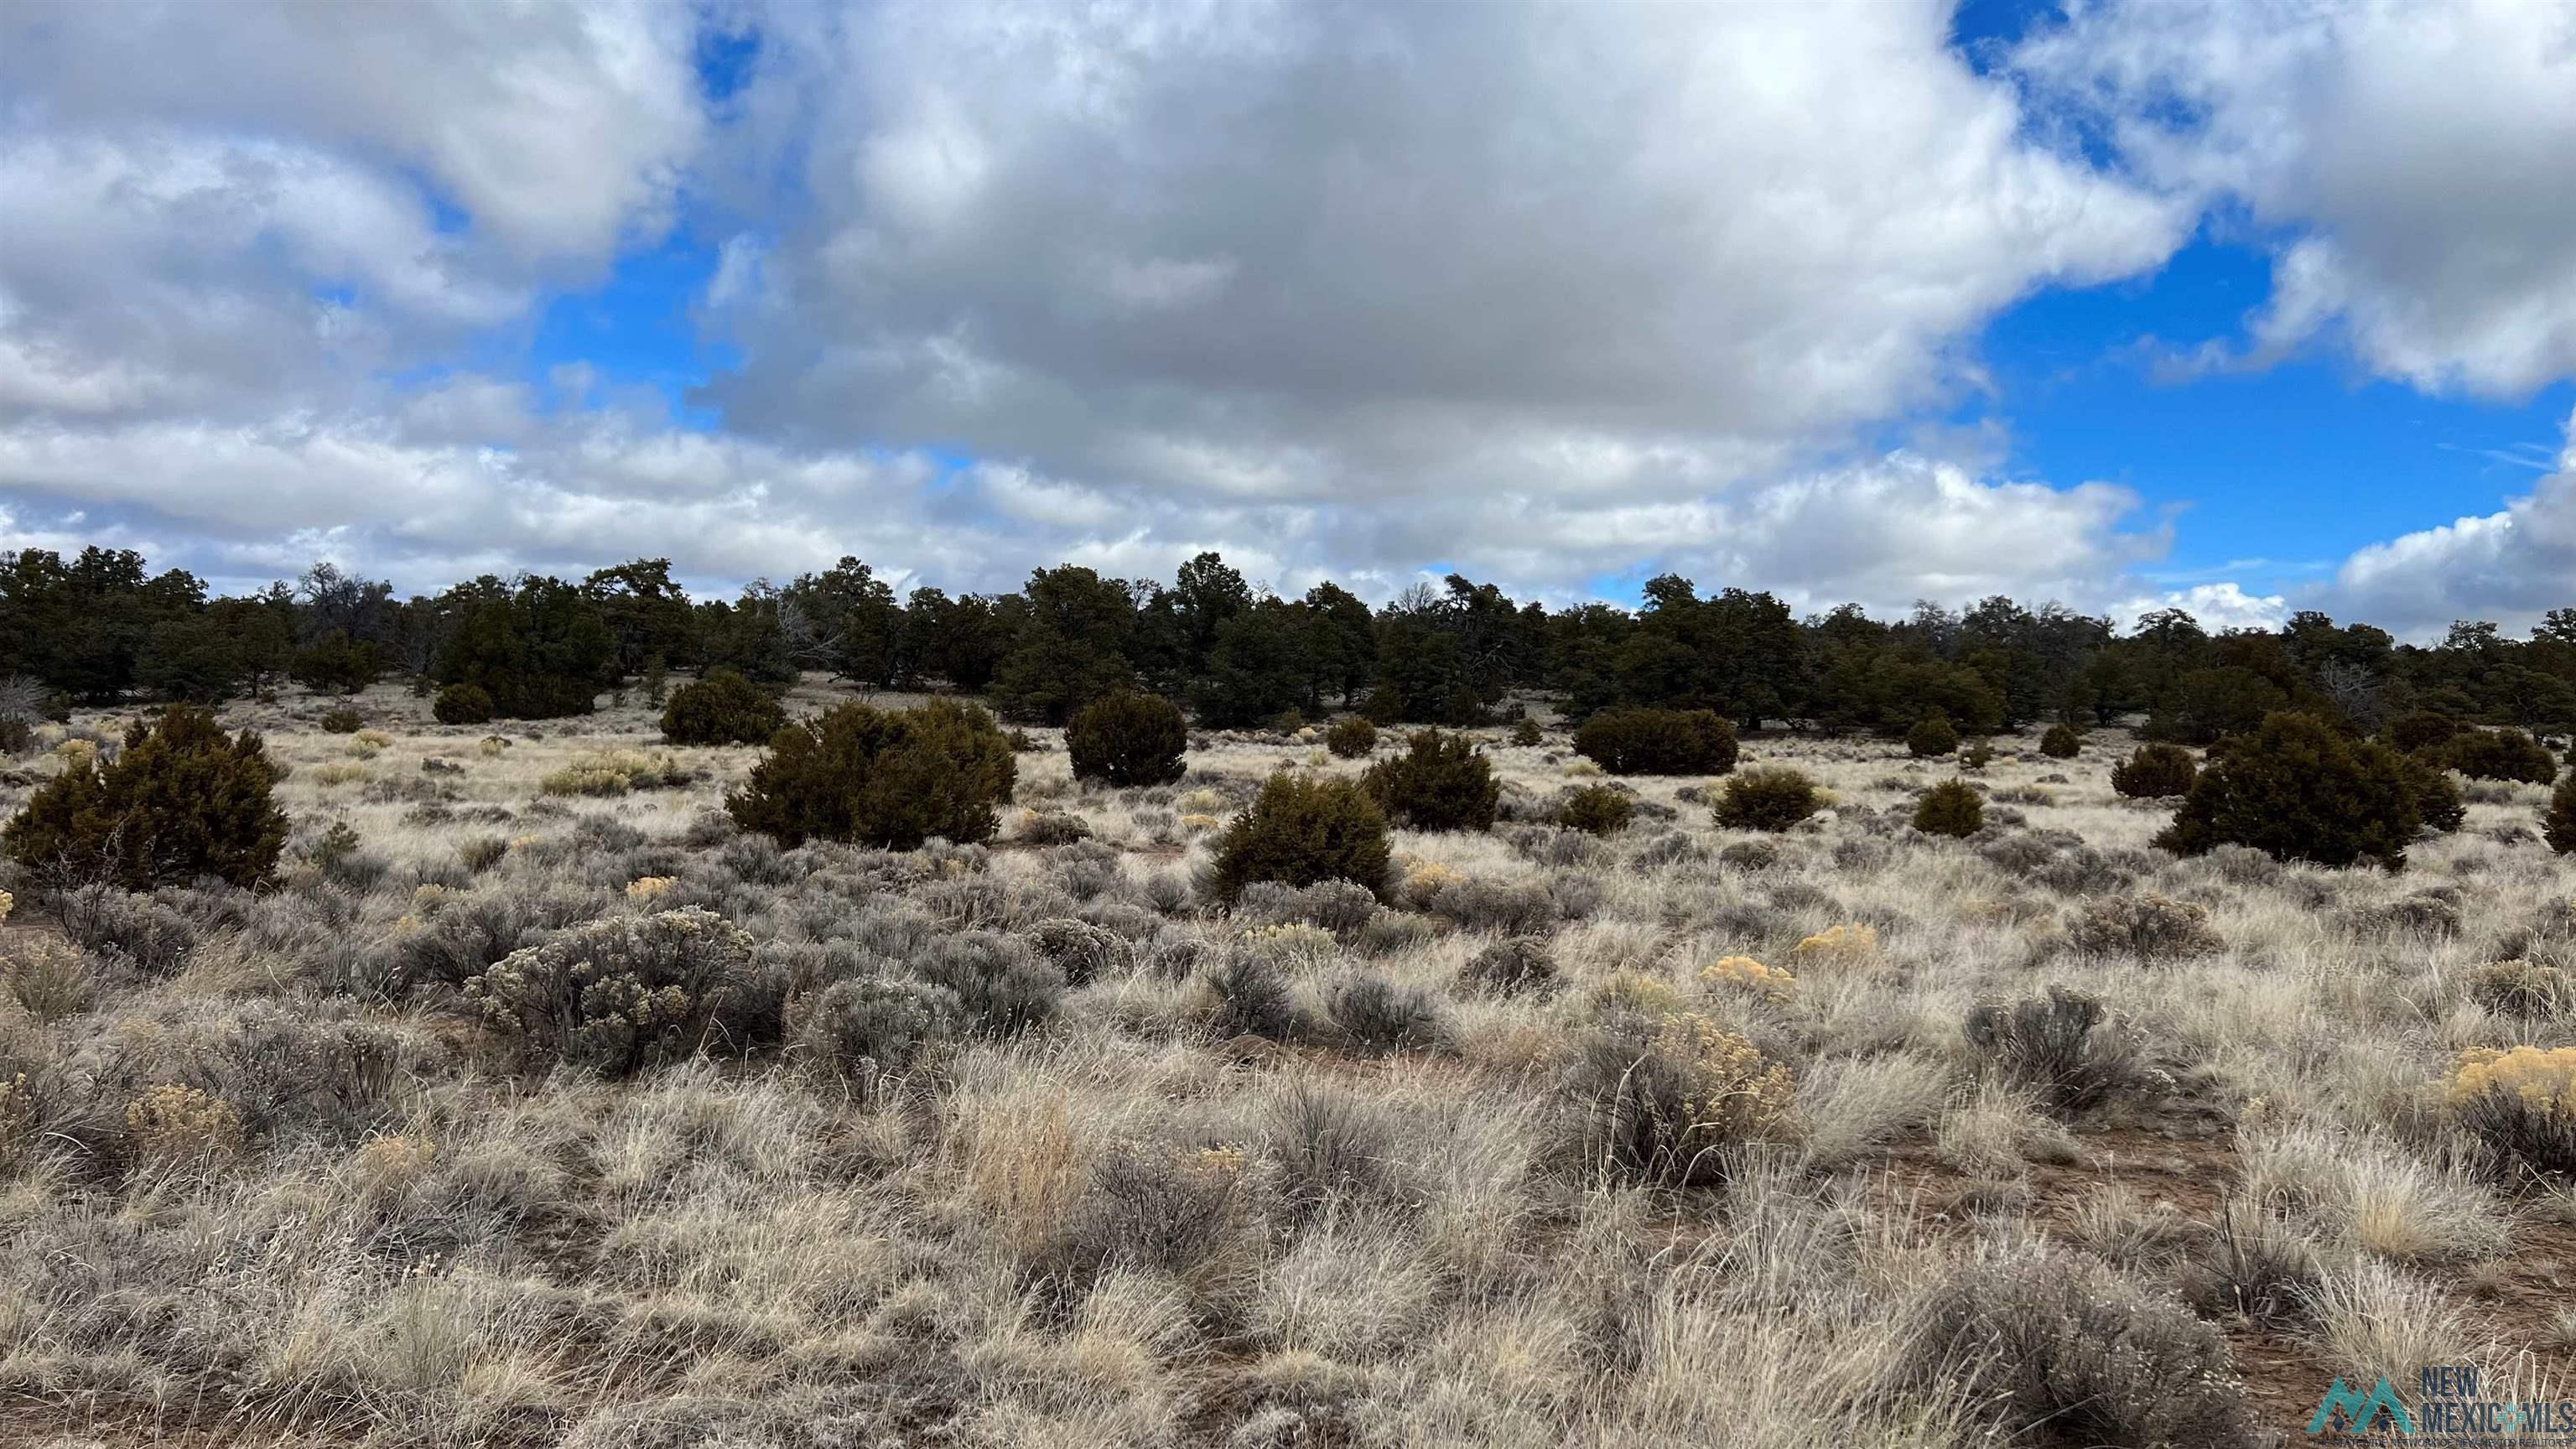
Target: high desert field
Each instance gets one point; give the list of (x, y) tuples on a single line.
[(1680, 1135)]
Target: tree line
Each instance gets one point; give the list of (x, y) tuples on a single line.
[(101, 628)]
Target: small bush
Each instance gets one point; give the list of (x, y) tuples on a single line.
[(2500, 755), (1001, 984), (1952, 808), (1931, 737), (1771, 797), (1302, 831), (1509, 968), (182, 800), (721, 708), (1253, 998), (2148, 928), (2061, 742), (2065, 1350), (2155, 772), (175, 1124), (1525, 732), (1663, 1107), (1338, 906), (462, 704), (616, 772), (140, 930), (2049, 1046), (1658, 741), (889, 778), (867, 1026), (619, 994), (2521, 1103), (1351, 739), (342, 721), (1375, 1014), (1596, 810), (49, 978), (1440, 782), (2437, 801), (1128, 740), (2422, 730), (1082, 951), (2558, 822), (2295, 789), (2533, 990)]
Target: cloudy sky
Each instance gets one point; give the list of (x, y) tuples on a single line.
[(2244, 304)]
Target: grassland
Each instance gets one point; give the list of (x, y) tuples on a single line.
[(268, 1177)]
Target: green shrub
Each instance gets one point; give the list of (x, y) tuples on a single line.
[(622, 993), (2296, 789), (1952, 807), (1658, 741), (1931, 737), (1766, 798), (2558, 822), (342, 721), (1128, 740), (2422, 730), (462, 704), (891, 778), (1440, 782), (721, 708), (2061, 742), (183, 799), (2500, 755), (335, 664), (1596, 810), (1351, 739), (1977, 756), (2155, 772), (1525, 732), (1300, 831), (2437, 800), (867, 1026)]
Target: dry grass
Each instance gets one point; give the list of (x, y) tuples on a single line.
[(266, 1177)]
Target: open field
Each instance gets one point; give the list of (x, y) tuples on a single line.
[(268, 1176)]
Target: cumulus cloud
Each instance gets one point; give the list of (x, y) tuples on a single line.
[(2511, 566), (2410, 159)]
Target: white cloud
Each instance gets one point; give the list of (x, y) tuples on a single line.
[(2411, 156), (2217, 606), (2511, 566)]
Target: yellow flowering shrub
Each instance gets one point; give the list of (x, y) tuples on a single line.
[(1837, 943), (648, 888), (181, 1124), (339, 772), (1664, 1109), (1428, 878), (1743, 972), (614, 772), (1197, 822), (6, 901), (2521, 1103), (1635, 994)]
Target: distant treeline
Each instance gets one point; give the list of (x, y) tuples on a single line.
[(101, 628)]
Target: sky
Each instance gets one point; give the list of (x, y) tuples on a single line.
[(2241, 306)]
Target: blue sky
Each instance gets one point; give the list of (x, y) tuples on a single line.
[(2196, 302)]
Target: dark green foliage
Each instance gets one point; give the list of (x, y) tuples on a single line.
[(721, 708), (1300, 831), (2060, 743), (342, 721), (2422, 730), (1525, 732), (1128, 740), (1658, 741), (2437, 800), (2065, 1351), (1351, 739), (540, 651), (1440, 782), (1766, 798), (462, 704), (1931, 737), (182, 800), (2155, 772), (2558, 822), (336, 664), (2297, 789), (891, 778), (1596, 810), (198, 659), (1952, 808), (2499, 755), (1977, 756)]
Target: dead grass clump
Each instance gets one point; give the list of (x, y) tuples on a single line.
[(2053, 1047), (2066, 1351), (1666, 1106), (1374, 1014), (1509, 968), (2531, 990), (51, 979)]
